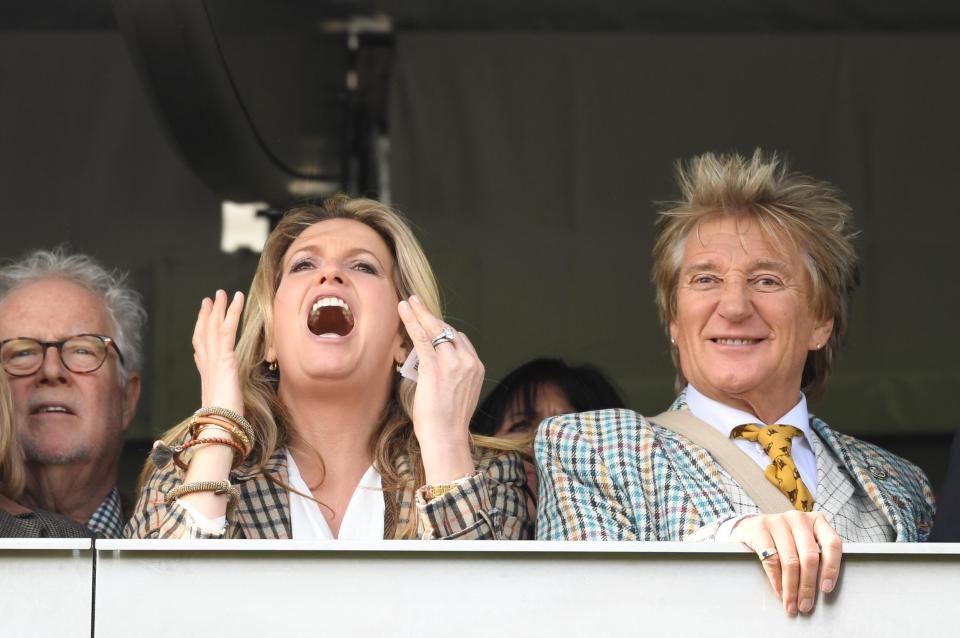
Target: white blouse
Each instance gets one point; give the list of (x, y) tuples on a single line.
[(363, 519)]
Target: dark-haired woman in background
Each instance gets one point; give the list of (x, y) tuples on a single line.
[(538, 390)]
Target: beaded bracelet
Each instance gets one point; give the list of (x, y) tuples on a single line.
[(162, 454), (199, 424), (219, 488), (231, 416), (238, 452)]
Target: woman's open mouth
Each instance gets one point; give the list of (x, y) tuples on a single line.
[(330, 317)]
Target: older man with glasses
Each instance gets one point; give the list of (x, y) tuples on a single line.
[(70, 345)]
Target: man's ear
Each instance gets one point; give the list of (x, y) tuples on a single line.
[(821, 334), (131, 396)]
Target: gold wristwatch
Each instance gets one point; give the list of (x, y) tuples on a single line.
[(430, 492)]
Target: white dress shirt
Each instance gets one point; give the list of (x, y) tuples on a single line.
[(725, 419)]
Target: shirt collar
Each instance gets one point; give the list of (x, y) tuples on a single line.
[(107, 521), (724, 418)]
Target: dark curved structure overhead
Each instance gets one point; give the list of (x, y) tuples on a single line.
[(258, 113), (280, 100)]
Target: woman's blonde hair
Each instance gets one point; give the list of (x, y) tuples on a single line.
[(12, 471), (395, 439), (806, 214)]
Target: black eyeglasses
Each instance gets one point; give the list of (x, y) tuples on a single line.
[(22, 356)]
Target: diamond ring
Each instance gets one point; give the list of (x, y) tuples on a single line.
[(447, 335)]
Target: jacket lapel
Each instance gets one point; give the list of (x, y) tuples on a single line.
[(870, 474), (264, 507)]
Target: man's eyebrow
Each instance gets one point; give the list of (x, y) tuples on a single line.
[(698, 266), (770, 264)]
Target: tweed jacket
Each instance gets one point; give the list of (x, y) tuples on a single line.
[(490, 505), (613, 475), (17, 521)]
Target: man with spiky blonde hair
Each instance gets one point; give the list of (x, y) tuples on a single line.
[(754, 266)]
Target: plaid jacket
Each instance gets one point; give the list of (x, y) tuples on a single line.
[(612, 475), (490, 505)]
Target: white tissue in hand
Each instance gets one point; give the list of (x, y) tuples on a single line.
[(409, 368)]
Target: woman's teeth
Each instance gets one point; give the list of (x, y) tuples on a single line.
[(736, 342), (330, 317), (325, 302)]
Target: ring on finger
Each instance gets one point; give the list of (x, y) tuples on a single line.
[(770, 552), (447, 335)]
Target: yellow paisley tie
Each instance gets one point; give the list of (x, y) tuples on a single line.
[(782, 471)]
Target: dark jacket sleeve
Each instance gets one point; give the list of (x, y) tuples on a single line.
[(946, 524), (39, 524)]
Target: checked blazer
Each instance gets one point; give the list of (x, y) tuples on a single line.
[(17, 521), (613, 475), (490, 505)]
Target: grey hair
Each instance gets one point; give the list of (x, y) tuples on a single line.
[(124, 305)]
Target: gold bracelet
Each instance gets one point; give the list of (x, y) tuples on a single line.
[(431, 492), (230, 415), (238, 452), (199, 423), (219, 488)]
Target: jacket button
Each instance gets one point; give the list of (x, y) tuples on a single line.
[(878, 472)]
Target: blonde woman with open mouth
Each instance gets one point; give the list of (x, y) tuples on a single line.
[(307, 429)]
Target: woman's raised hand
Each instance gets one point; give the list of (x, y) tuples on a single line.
[(214, 340), (793, 547), (450, 377)]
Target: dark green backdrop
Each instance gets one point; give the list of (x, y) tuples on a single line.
[(529, 163)]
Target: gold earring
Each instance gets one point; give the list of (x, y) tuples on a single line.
[(272, 366)]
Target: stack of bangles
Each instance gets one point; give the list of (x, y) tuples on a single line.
[(238, 434)]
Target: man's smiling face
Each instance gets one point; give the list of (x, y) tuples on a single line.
[(744, 322)]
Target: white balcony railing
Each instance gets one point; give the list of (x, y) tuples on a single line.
[(410, 588)]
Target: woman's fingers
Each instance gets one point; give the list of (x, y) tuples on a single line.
[(199, 329), (465, 344), (433, 327), (417, 333), (470, 361), (215, 318), (450, 377), (232, 319), (214, 340), (423, 327)]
